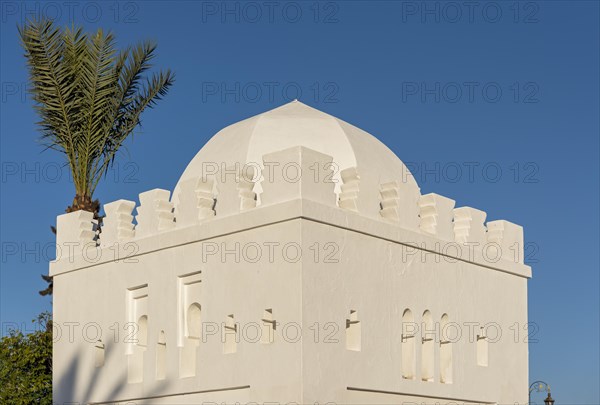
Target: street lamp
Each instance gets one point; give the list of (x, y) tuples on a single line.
[(540, 386), (549, 400)]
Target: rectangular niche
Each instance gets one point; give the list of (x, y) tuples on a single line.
[(230, 337), (99, 353), (353, 332), (482, 349), (136, 332), (268, 327), (189, 322), (161, 356)]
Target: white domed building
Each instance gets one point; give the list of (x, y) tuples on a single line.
[(295, 262)]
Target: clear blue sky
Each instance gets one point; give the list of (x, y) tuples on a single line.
[(502, 85)]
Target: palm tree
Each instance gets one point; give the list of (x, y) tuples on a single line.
[(89, 98)]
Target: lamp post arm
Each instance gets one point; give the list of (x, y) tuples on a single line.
[(537, 386)]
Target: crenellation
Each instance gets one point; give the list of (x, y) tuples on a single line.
[(390, 201), (74, 232), (469, 225), (234, 190), (509, 237), (155, 213), (348, 198), (399, 206), (436, 213), (206, 199), (196, 201), (186, 210), (246, 187), (117, 224)]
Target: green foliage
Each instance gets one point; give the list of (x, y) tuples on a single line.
[(89, 96), (26, 365)]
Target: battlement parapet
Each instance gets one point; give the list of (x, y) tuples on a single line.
[(297, 173)]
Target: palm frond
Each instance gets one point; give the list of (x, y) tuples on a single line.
[(152, 92), (89, 97), (52, 86), (98, 85)]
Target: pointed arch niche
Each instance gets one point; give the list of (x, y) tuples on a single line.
[(408, 345), (445, 351), (427, 347)]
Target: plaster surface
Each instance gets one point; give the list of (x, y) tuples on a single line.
[(342, 284)]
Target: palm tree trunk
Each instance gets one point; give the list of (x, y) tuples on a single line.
[(85, 203)]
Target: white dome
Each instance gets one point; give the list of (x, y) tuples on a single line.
[(296, 124)]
